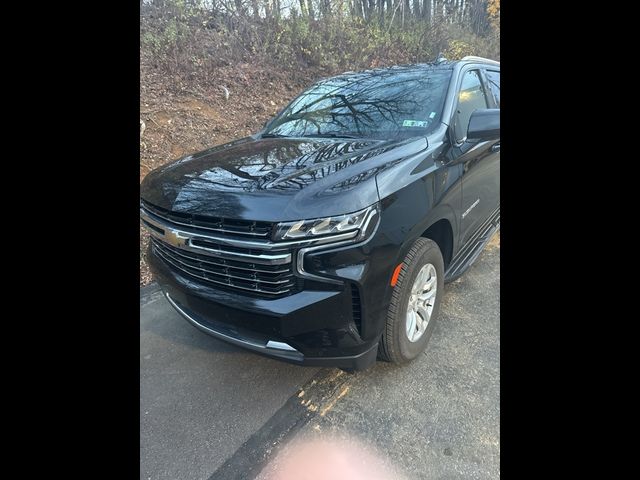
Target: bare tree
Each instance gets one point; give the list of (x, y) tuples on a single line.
[(426, 10)]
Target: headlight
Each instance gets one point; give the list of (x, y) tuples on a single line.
[(351, 225)]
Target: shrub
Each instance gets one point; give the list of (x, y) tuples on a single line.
[(188, 42)]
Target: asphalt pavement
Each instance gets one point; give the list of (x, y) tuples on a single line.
[(209, 410)]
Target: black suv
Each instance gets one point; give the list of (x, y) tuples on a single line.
[(326, 238)]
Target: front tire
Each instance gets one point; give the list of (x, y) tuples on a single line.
[(415, 303)]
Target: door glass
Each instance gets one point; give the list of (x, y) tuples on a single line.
[(494, 84), (470, 98)]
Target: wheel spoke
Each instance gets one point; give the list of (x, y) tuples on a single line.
[(419, 325), (427, 295), (411, 324), (419, 282), (430, 283), (424, 314)]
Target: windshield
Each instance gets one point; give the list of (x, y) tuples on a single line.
[(384, 104)]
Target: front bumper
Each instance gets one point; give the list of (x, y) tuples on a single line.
[(315, 327)]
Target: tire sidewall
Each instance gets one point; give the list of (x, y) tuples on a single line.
[(410, 350)]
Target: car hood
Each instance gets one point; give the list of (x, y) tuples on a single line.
[(276, 179)]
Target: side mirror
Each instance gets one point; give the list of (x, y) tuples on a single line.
[(484, 124)]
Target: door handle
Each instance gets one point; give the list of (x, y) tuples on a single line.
[(495, 148)]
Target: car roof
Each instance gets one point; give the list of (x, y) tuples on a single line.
[(473, 59), (442, 64)]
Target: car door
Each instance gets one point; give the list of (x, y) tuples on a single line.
[(481, 159)]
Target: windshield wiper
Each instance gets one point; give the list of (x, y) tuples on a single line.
[(273, 135), (332, 135)]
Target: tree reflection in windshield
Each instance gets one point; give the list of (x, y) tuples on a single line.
[(399, 101)]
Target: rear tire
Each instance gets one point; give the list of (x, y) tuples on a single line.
[(415, 304)]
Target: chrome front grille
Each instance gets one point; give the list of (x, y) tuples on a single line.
[(222, 259), (225, 226), (239, 254), (246, 276)]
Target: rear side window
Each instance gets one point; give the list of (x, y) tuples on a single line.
[(470, 98), (493, 78)]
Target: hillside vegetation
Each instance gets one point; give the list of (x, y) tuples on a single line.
[(215, 70)]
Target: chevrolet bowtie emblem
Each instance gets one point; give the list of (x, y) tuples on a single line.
[(174, 238)]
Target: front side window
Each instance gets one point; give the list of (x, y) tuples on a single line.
[(493, 78), (388, 104), (470, 98)]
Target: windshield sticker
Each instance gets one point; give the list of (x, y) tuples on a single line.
[(432, 115), (415, 123)]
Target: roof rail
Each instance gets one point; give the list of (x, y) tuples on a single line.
[(479, 59)]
